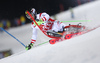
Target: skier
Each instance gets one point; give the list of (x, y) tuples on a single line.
[(45, 22)]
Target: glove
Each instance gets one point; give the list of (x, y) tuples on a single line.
[(39, 22), (27, 15), (29, 46)]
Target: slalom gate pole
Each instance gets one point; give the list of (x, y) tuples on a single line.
[(12, 36)]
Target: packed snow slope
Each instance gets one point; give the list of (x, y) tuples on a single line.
[(80, 49)]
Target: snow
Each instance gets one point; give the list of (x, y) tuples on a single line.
[(80, 49)]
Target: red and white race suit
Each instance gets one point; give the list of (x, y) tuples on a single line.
[(50, 24)]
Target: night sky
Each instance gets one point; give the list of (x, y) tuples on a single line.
[(11, 9)]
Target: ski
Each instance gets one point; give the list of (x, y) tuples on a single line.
[(66, 37), (70, 31), (69, 36)]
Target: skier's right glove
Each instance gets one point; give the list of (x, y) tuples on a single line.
[(29, 46)]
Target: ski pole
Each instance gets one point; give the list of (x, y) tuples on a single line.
[(12, 36)]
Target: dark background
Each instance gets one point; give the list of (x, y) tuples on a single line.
[(11, 9)]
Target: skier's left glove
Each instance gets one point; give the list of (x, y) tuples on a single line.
[(29, 46)]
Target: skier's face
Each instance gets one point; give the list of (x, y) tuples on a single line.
[(32, 15)]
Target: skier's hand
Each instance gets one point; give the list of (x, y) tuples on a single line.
[(41, 20), (29, 46)]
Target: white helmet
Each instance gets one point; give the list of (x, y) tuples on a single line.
[(33, 11)]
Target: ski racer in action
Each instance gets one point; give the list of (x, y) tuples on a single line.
[(45, 22)]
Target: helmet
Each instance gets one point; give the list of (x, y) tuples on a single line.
[(33, 11)]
